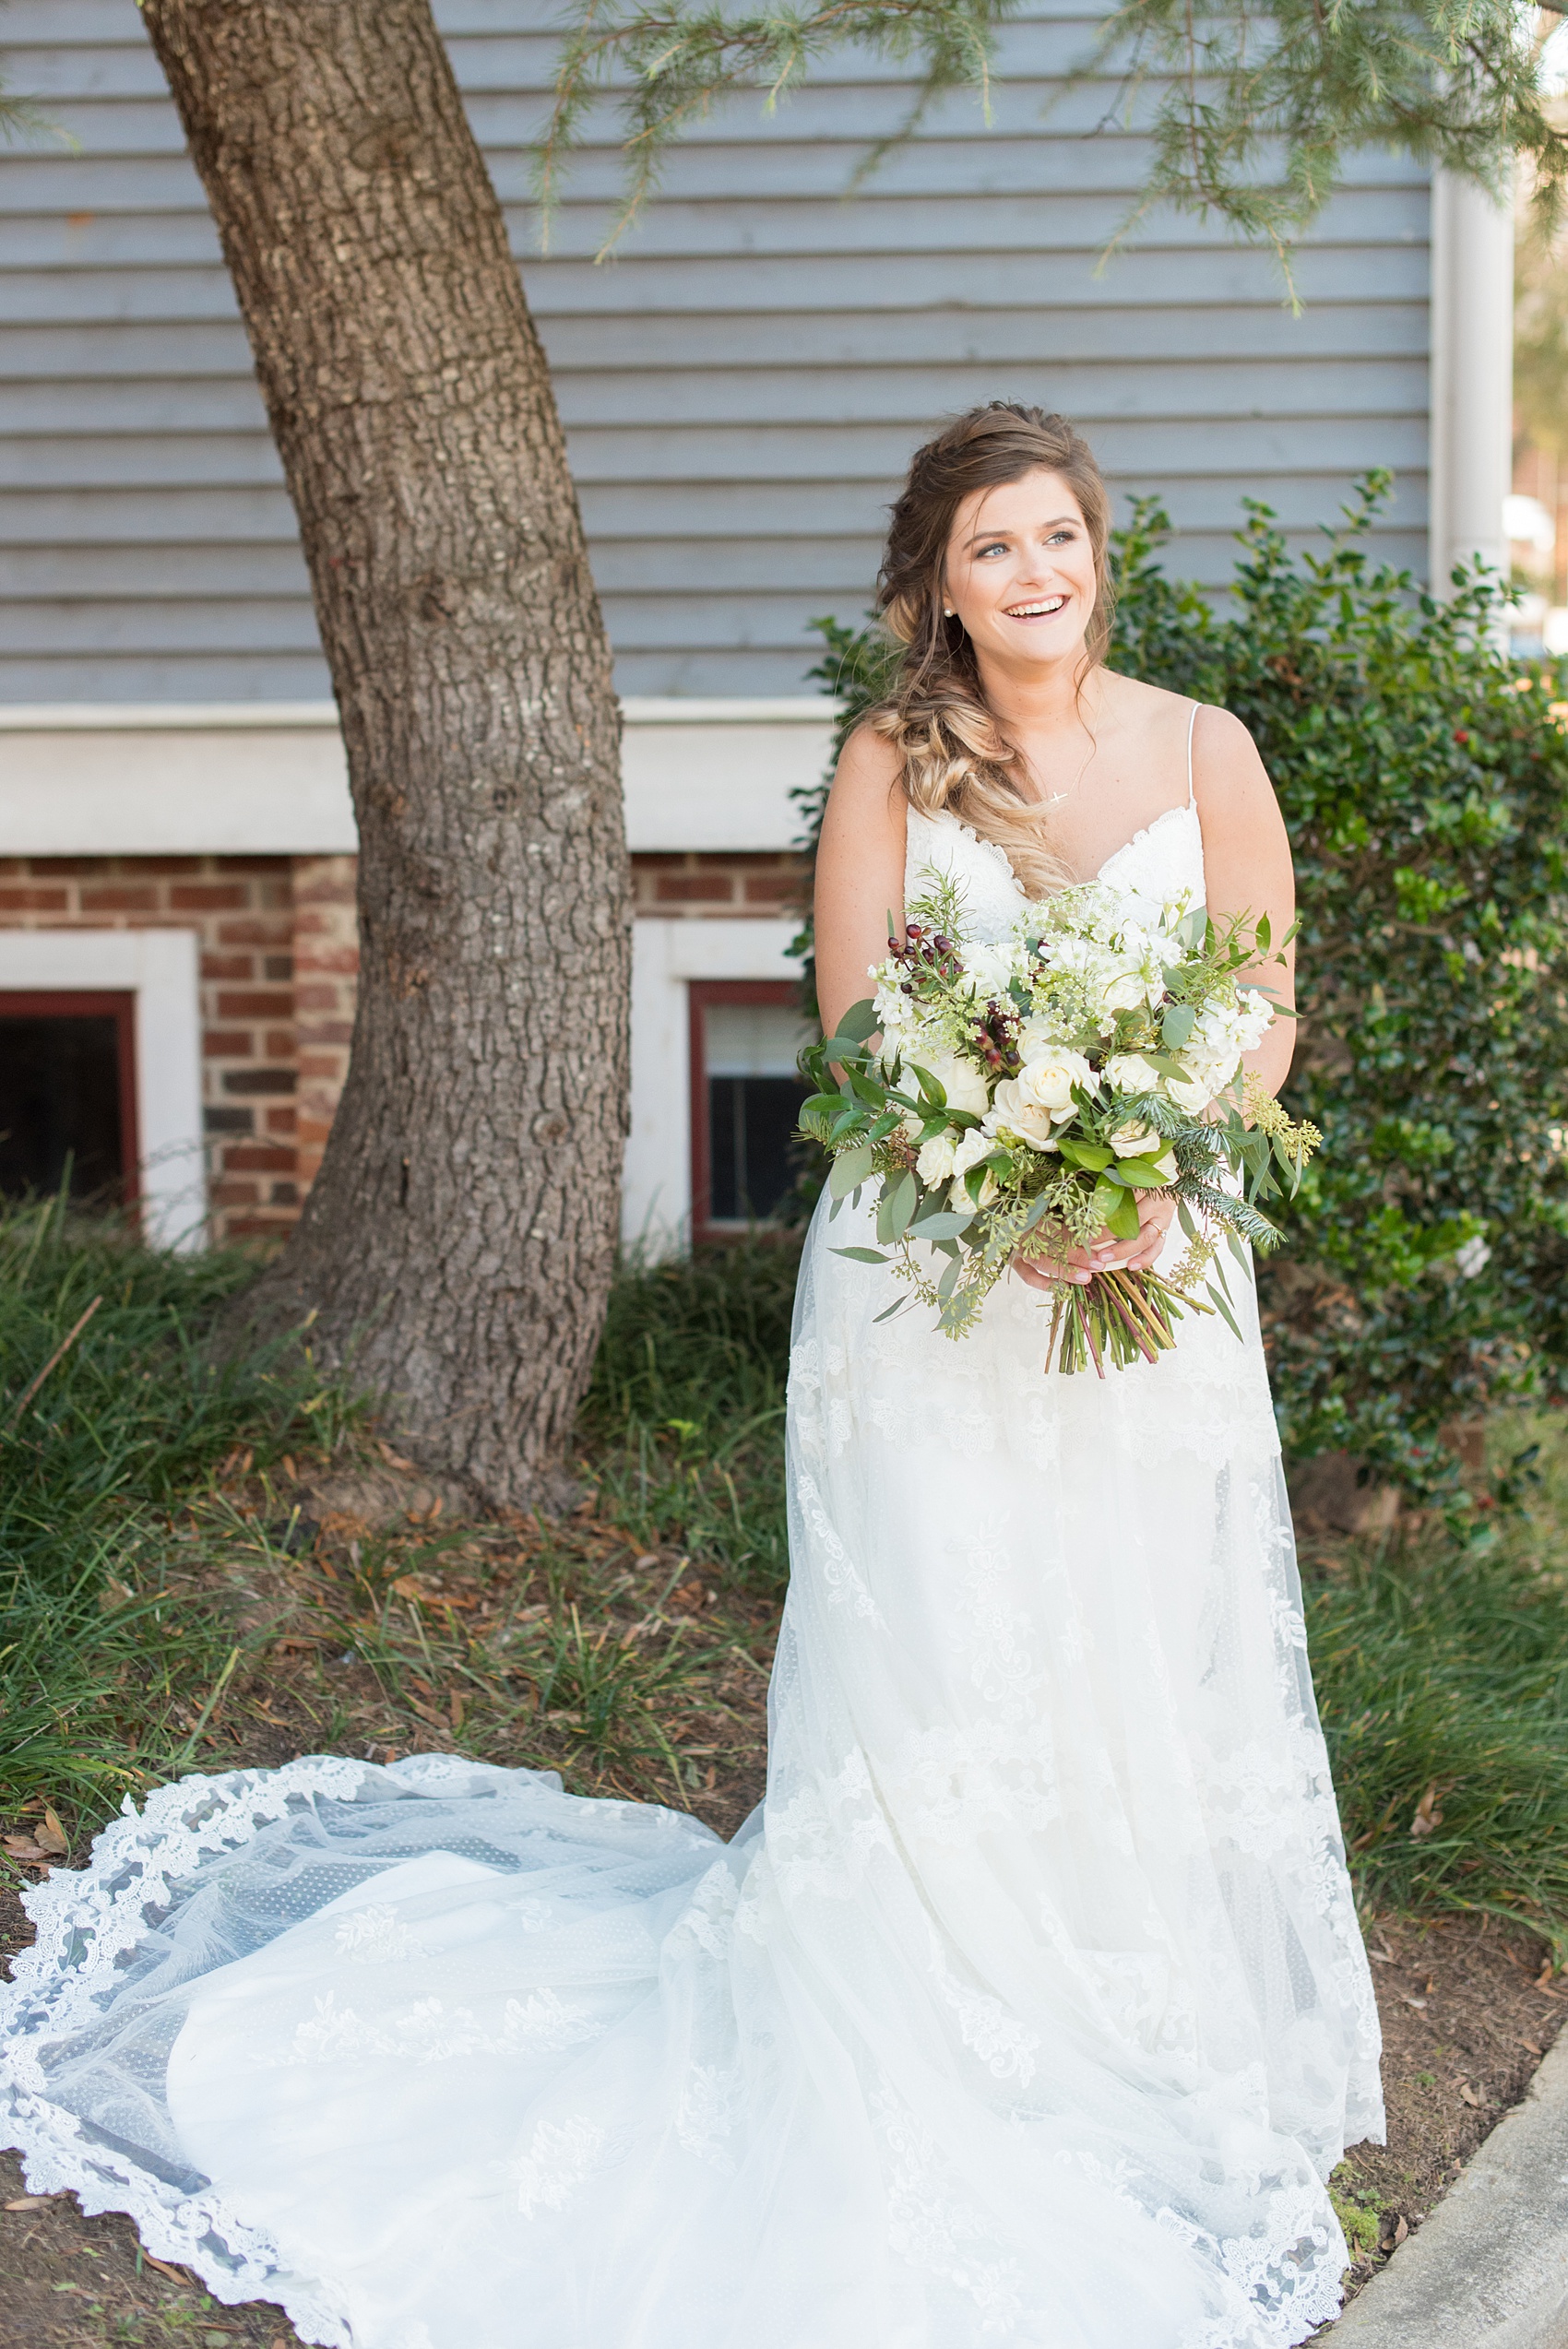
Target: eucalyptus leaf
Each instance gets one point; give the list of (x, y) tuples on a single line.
[(850, 1169), (902, 1201)]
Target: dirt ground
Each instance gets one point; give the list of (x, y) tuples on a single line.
[(1469, 2009)]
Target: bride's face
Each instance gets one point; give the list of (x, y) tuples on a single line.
[(1019, 571)]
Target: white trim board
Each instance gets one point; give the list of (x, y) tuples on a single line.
[(269, 779), (656, 1209), (159, 968)]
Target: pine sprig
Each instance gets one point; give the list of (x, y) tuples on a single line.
[(1249, 109), (668, 64)]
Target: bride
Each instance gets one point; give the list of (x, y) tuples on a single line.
[(1031, 2005)]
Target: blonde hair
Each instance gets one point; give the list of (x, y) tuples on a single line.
[(955, 753)]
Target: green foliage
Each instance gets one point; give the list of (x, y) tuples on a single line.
[(1427, 799), (1249, 110), (132, 1417), (1359, 2211)]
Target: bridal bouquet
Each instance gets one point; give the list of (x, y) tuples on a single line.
[(1022, 1095)]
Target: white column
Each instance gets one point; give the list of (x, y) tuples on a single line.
[(1472, 375)]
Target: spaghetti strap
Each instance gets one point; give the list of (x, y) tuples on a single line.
[(1192, 795)]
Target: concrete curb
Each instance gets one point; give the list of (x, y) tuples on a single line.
[(1488, 2270)]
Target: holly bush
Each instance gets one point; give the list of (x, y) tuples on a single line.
[(1423, 775)]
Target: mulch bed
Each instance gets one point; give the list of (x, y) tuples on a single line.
[(1469, 2009)]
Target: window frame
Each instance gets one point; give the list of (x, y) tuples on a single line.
[(81, 1002), (703, 994)]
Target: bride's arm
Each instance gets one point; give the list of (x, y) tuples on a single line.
[(860, 872), (1247, 863)]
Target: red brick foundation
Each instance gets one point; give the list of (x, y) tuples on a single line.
[(280, 959)]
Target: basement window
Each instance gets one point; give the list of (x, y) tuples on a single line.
[(747, 1095), (67, 1096)]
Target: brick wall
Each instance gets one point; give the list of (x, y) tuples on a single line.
[(701, 884), (242, 910), (279, 958)]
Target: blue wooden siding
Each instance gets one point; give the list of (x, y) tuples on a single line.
[(740, 387)]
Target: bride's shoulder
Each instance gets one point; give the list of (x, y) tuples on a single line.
[(868, 782), (1221, 744)]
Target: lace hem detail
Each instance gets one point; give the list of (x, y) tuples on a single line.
[(88, 1922)]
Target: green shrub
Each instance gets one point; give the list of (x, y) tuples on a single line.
[(1424, 779)]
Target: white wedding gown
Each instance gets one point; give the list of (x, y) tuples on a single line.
[(1029, 2007)]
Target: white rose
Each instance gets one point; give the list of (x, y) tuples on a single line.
[(963, 1083), (974, 1147), (962, 1205), (1011, 1113), (934, 1165), (1130, 1141), (1130, 1072), (1047, 1078)]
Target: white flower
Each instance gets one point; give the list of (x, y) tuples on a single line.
[(1130, 1072), (1234, 1028), (1206, 1080), (1134, 1140), (960, 1201), (1125, 985), (963, 1083), (1049, 1074), (1012, 1113), (1473, 1257), (934, 1165), (1130, 1140), (989, 970), (974, 1147)]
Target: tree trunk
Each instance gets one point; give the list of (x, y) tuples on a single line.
[(458, 1240)]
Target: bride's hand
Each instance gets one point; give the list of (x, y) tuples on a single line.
[(1157, 1212)]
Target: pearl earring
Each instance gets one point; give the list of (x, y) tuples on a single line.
[(947, 612)]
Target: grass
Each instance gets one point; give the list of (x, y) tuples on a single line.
[(175, 1593), (189, 1581), (99, 1457), (685, 1419), (1441, 1672)]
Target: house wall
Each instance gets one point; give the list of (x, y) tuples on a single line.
[(740, 387), (271, 981)]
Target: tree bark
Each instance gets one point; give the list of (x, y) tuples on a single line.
[(457, 1244)]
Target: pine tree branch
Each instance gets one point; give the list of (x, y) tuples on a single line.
[(1251, 109)]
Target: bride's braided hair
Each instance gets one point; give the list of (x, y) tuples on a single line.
[(955, 753)]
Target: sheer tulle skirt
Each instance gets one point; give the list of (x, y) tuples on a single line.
[(1030, 2006)]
